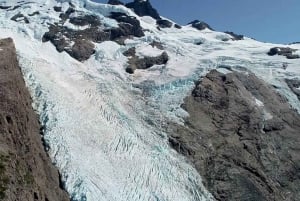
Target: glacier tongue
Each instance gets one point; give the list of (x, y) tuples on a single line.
[(97, 138)]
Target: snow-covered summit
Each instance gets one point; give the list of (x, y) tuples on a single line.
[(105, 128)]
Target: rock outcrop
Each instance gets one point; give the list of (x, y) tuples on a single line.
[(242, 137), (200, 25), (235, 36), (143, 8), (134, 62), (78, 43), (284, 51), (164, 23), (26, 172), (294, 85)]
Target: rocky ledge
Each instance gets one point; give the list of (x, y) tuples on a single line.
[(26, 172), (284, 51), (243, 138)]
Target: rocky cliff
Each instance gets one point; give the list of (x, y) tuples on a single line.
[(26, 172), (242, 137)]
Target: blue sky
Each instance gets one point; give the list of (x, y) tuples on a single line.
[(276, 21)]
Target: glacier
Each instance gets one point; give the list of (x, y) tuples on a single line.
[(105, 129)]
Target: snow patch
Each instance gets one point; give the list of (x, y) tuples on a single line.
[(259, 103), (148, 50)]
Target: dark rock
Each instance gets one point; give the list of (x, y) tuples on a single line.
[(200, 25), (241, 154), (57, 8), (156, 44), (61, 37), (62, 41), (146, 62), (292, 56), (85, 20), (128, 26), (4, 7), (66, 15), (293, 43), (130, 52), (82, 50), (177, 26), (115, 2), (199, 43), (143, 8), (164, 23), (235, 36), (284, 51), (20, 17), (294, 85), (34, 13)]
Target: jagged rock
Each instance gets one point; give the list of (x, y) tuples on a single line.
[(115, 2), (61, 37), (4, 7), (130, 52), (284, 51), (144, 63), (156, 44), (143, 8), (66, 15), (57, 8), (243, 151), (62, 42), (235, 36), (85, 20), (292, 56), (294, 85), (177, 26), (20, 17), (34, 13), (200, 25), (81, 50), (164, 23), (128, 26), (26, 172)]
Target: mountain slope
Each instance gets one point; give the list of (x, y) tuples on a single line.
[(109, 131), (26, 171)]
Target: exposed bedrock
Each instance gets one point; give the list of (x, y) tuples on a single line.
[(242, 137), (294, 85), (26, 172), (143, 8), (134, 62), (235, 36), (200, 25), (78, 42), (284, 51), (164, 23)]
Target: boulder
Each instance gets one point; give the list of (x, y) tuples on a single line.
[(200, 25), (284, 51), (164, 23), (81, 50), (235, 36)]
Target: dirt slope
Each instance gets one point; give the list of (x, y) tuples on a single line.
[(26, 172)]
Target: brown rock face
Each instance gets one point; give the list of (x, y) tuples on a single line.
[(26, 172), (242, 137)]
